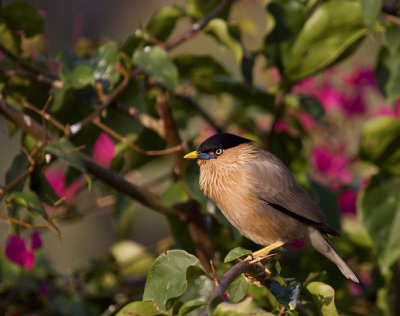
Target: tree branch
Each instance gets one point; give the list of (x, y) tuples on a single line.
[(188, 212), (199, 25)]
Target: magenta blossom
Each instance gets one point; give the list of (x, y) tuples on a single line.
[(18, 252), (36, 241), (354, 105), (103, 151), (361, 78), (330, 98), (348, 202), (331, 167)]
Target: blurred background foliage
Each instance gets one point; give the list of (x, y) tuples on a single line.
[(94, 126)]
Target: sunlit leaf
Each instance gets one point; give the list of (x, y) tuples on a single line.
[(324, 297), (199, 8), (140, 309), (219, 29), (29, 199), (237, 290), (163, 21), (246, 307), (235, 253), (106, 60), (332, 28), (8, 39), (380, 143), (387, 69), (190, 306), (167, 277), (156, 62), (371, 10), (379, 208)]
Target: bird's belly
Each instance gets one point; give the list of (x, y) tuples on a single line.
[(262, 224)]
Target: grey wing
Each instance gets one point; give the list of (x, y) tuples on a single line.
[(276, 186)]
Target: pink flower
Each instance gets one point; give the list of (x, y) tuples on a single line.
[(332, 167), (36, 241), (386, 110), (362, 77), (296, 244), (354, 105), (348, 202), (103, 151), (56, 178), (282, 126), (17, 252), (307, 121), (329, 97), (306, 86)]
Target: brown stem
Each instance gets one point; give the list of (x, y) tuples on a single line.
[(170, 131), (26, 64), (34, 76), (280, 108)]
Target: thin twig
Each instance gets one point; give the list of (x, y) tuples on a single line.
[(214, 273), (145, 119), (124, 140), (26, 64), (199, 25), (280, 108), (33, 76), (15, 181)]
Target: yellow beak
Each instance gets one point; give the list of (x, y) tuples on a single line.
[(192, 155)]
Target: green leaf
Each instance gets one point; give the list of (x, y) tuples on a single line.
[(387, 69), (80, 77), (246, 307), (156, 62), (29, 199), (380, 143), (175, 193), (219, 29), (286, 18), (8, 39), (190, 306), (140, 309), (235, 253), (371, 10), (163, 21), (200, 70), (237, 289), (324, 297), (167, 277), (66, 151), (19, 165), (332, 29), (313, 107), (23, 16), (105, 61), (134, 260), (379, 208), (199, 8)]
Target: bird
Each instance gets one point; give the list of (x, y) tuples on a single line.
[(258, 195)]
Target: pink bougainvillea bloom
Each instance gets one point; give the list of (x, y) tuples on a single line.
[(36, 241), (333, 166), (282, 126), (17, 252), (348, 202), (42, 13), (307, 121), (386, 110), (354, 105), (329, 97), (361, 78), (355, 289), (103, 151), (307, 86), (296, 244), (56, 178)]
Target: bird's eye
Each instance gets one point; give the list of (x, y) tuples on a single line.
[(218, 151), (198, 152)]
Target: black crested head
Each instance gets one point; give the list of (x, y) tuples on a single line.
[(222, 141)]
